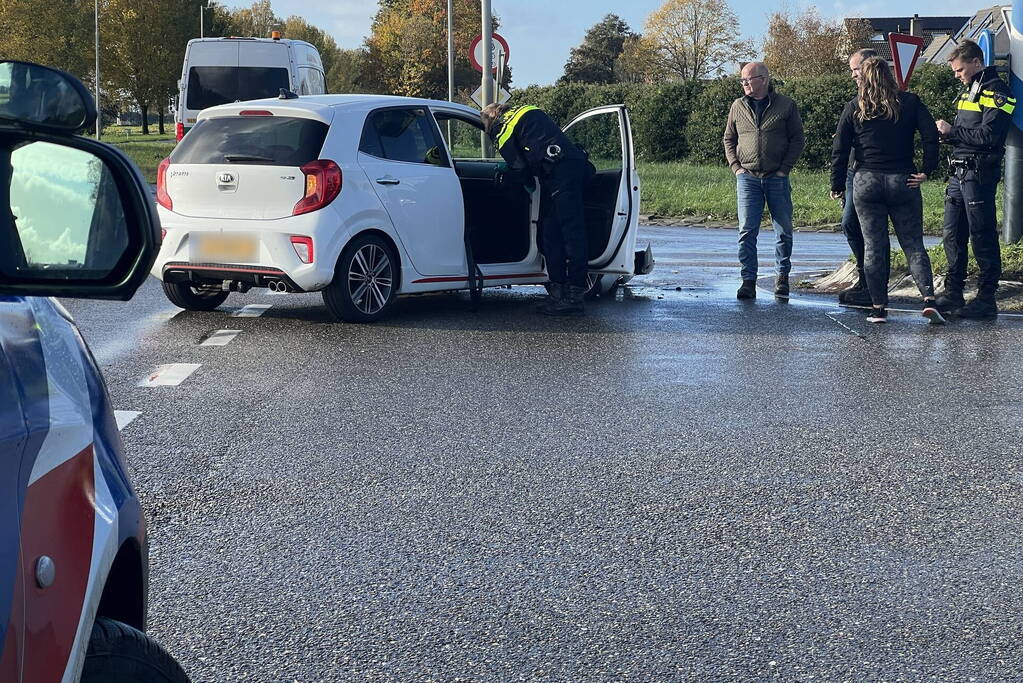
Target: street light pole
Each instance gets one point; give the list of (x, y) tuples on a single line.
[(99, 115), (202, 11), (488, 55), (451, 51)]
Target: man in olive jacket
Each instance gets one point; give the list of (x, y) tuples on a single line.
[(763, 139)]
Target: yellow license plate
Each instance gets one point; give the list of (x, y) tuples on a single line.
[(225, 249)]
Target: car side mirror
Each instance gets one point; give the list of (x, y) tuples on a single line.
[(76, 217), (39, 97)]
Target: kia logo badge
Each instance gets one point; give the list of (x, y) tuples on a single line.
[(225, 178)]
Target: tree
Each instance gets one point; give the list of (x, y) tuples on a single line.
[(348, 72), (256, 21), (639, 62), (406, 51), (696, 39), (805, 45), (593, 61), (56, 33), (136, 38), (297, 28)]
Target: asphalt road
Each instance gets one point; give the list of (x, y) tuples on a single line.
[(679, 486)]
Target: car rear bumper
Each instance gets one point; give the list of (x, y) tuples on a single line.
[(275, 257)]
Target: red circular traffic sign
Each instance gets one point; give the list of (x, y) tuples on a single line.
[(476, 47)]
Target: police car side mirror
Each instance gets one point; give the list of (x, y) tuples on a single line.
[(76, 217)]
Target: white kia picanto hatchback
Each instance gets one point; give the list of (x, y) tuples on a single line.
[(368, 197)]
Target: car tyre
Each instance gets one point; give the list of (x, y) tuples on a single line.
[(365, 281), (119, 653), (191, 298)]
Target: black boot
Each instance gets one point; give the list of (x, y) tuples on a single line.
[(857, 295), (555, 292), (950, 301), (748, 290), (570, 303), (981, 307)]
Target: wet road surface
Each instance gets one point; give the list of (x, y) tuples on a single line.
[(679, 486)]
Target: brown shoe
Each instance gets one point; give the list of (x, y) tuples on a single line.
[(781, 285), (748, 290)]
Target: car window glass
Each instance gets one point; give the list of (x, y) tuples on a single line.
[(402, 135), (600, 135), (67, 215), (464, 140), (209, 86), (311, 82), (260, 140)]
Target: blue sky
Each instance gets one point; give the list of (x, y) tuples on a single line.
[(540, 33)]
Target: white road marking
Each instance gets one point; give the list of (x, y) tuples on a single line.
[(251, 311), (220, 338), (169, 375), (125, 418), (841, 324), (270, 292)]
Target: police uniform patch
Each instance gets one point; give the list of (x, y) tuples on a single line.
[(999, 99)]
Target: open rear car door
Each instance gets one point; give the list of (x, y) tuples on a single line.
[(611, 197)]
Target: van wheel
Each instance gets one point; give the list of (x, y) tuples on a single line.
[(119, 653), (191, 298), (365, 281)]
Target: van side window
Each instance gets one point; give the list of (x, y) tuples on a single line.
[(311, 82), (403, 135)]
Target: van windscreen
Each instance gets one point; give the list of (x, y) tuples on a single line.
[(209, 86), (260, 140)]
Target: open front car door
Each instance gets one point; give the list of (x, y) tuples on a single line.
[(611, 197)]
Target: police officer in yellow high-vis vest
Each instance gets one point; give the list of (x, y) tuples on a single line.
[(983, 116), (533, 144)]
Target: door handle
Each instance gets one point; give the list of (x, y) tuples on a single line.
[(388, 180)]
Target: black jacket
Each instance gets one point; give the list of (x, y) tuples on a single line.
[(882, 144), (525, 145), (983, 116)]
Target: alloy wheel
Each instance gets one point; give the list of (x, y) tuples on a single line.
[(370, 278)]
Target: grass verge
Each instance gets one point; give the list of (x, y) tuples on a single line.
[(1012, 261), (682, 189), (121, 134), (148, 155)]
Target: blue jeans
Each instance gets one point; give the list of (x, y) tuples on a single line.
[(752, 193)]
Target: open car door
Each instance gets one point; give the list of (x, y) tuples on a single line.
[(611, 197)]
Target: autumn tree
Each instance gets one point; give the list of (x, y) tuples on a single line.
[(406, 51), (593, 60), (348, 73), (639, 62), (136, 37), (297, 28), (807, 44), (256, 21), (56, 33), (696, 39)]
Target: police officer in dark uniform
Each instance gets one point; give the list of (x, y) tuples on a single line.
[(983, 115), (534, 146)]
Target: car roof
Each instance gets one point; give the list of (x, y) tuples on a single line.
[(324, 107)]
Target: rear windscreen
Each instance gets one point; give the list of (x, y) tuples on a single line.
[(261, 140), (209, 86)]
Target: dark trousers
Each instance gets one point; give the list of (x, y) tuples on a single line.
[(970, 217), (879, 196), (851, 226), (564, 225)]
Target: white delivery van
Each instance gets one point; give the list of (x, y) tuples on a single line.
[(223, 70)]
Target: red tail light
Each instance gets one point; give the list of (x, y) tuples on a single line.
[(322, 185), (303, 247), (179, 131), (162, 198)]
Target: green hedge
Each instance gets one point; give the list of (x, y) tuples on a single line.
[(685, 121)]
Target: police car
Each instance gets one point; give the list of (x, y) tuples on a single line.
[(78, 222), (368, 197)]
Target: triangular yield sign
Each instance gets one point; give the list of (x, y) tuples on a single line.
[(905, 52)]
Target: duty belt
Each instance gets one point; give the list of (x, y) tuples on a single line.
[(960, 167)]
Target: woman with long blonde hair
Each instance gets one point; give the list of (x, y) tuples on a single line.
[(880, 125)]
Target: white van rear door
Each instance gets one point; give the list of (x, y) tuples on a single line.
[(243, 166), (611, 198)]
